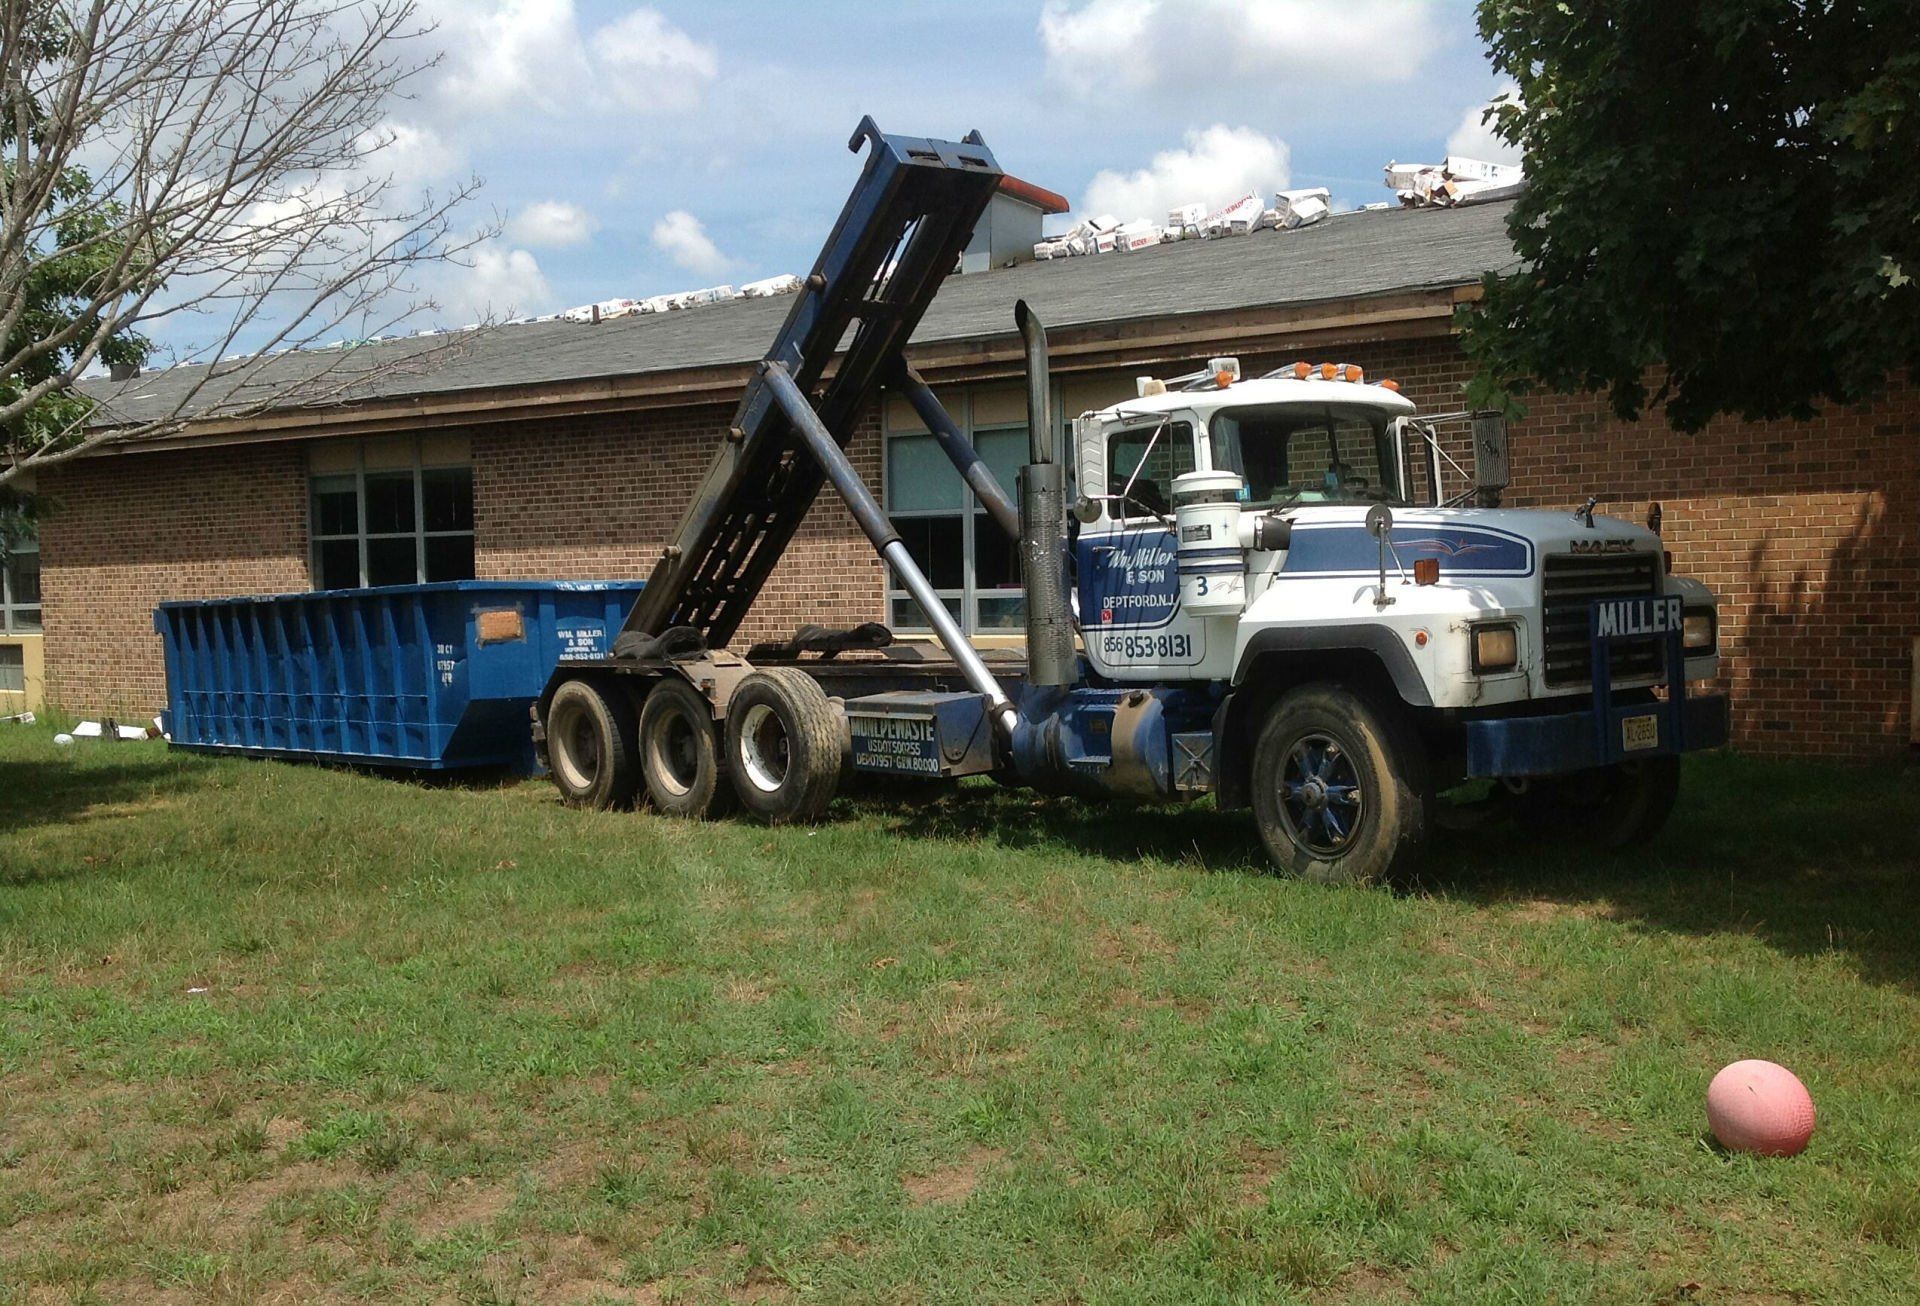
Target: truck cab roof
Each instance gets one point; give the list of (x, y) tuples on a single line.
[(1264, 390)]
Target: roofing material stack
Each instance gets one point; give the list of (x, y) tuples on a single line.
[(1301, 208), (1456, 180)]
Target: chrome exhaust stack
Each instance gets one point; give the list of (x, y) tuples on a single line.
[(1051, 659)]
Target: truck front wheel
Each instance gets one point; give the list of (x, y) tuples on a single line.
[(1339, 786), (590, 746), (1616, 806)]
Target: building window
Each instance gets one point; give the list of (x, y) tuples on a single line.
[(388, 525), (20, 589), (970, 561), (13, 669)]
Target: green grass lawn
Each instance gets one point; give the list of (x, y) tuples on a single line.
[(274, 1032)]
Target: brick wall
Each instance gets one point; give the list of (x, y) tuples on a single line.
[(1808, 532), (600, 498), (130, 532)]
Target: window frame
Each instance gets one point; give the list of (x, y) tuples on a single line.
[(965, 600), (1388, 452), (1120, 514), (416, 470), (10, 607)]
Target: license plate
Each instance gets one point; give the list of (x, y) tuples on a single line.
[(1638, 732)]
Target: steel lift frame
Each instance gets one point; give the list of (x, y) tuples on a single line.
[(909, 216)]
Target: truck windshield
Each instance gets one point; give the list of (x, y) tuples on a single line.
[(1307, 453)]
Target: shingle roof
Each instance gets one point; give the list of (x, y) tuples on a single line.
[(1344, 257)]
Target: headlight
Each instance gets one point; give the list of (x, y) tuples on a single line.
[(1697, 630), (1496, 647)]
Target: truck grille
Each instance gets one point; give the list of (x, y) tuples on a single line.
[(1574, 581)]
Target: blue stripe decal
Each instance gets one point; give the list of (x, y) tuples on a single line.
[(1348, 550)]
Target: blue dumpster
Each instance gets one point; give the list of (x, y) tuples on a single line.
[(431, 676)]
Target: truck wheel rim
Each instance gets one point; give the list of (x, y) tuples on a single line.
[(578, 757), (1321, 799), (674, 754), (764, 754)]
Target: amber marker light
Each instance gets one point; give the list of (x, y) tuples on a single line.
[(1390, 384), (1426, 571)]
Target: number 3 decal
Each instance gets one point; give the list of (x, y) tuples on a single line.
[(1203, 585)]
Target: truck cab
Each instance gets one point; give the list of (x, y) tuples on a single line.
[(1270, 534)]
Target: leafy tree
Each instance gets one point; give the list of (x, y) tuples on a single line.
[(1722, 194)]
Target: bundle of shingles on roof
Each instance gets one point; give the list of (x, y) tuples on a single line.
[(1107, 234), (1454, 180), (612, 308), (1457, 180)]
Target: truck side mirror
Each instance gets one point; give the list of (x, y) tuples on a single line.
[(1490, 473)]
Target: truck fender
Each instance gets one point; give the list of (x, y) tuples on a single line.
[(1317, 654)]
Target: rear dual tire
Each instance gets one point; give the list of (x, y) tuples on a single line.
[(784, 746), (680, 753), (590, 746)]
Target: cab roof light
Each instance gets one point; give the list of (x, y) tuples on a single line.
[(1225, 371), (1390, 384), (1326, 371)]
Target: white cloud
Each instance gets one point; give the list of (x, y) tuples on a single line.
[(1217, 165), (552, 224), (681, 237), (531, 55), (412, 155), (500, 283), (1475, 139), (648, 63), (509, 53), (1096, 47)]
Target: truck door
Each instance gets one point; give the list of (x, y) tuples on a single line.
[(1129, 576)]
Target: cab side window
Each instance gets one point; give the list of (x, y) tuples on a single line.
[(1150, 464)]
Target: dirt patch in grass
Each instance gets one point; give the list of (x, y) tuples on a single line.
[(1259, 1166), (952, 1184), (1130, 945), (463, 1202), (1368, 1283)]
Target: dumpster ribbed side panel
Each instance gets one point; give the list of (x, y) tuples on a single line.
[(390, 676)]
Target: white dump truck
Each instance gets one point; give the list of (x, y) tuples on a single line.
[(1249, 588)]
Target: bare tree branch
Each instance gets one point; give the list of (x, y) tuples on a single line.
[(209, 157)]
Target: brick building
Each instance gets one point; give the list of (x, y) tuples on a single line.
[(568, 450)]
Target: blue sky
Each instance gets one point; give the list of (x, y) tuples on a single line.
[(635, 149)]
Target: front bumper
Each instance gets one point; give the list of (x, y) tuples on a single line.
[(1577, 741)]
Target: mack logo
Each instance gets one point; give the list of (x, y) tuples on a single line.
[(1624, 618), (1603, 546)]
